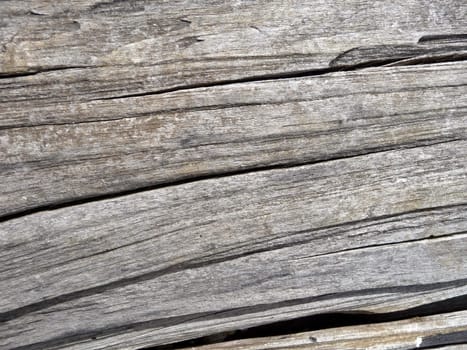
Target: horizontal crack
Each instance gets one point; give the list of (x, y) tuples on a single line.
[(334, 66), (301, 74), (448, 305), (370, 246), (333, 320), (442, 37), (423, 59), (257, 78), (377, 55), (216, 175), (195, 263)]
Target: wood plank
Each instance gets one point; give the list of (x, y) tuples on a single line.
[(178, 169), (90, 149), (378, 232), (416, 333), (112, 48)]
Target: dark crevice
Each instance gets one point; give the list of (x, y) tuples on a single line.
[(256, 78), (443, 37), (435, 49), (335, 67), (335, 320), (354, 59), (388, 244), (265, 77), (422, 59), (450, 305), (200, 262), (218, 175)]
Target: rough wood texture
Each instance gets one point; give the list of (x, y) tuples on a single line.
[(418, 333), (106, 147), (175, 169), (190, 42), (101, 52), (242, 249)]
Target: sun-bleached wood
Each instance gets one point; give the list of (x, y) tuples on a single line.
[(178, 169), (187, 260), (88, 60), (104, 147), (184, 42)]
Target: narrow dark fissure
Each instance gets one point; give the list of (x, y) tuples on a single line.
[(404, 57), (214, 175), (335, 320), (373, 63)]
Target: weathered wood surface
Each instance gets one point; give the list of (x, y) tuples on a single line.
[(174, 169), (186, 260), (98, 148), (417, 333), (154, 45), (169, 137)]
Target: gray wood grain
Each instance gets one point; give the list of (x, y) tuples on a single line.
[(182, 42), (102, 49), (183, 261), (103, 147), (176, 169), (416, 333)]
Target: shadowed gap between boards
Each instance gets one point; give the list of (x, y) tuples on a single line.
[(331, 320)]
